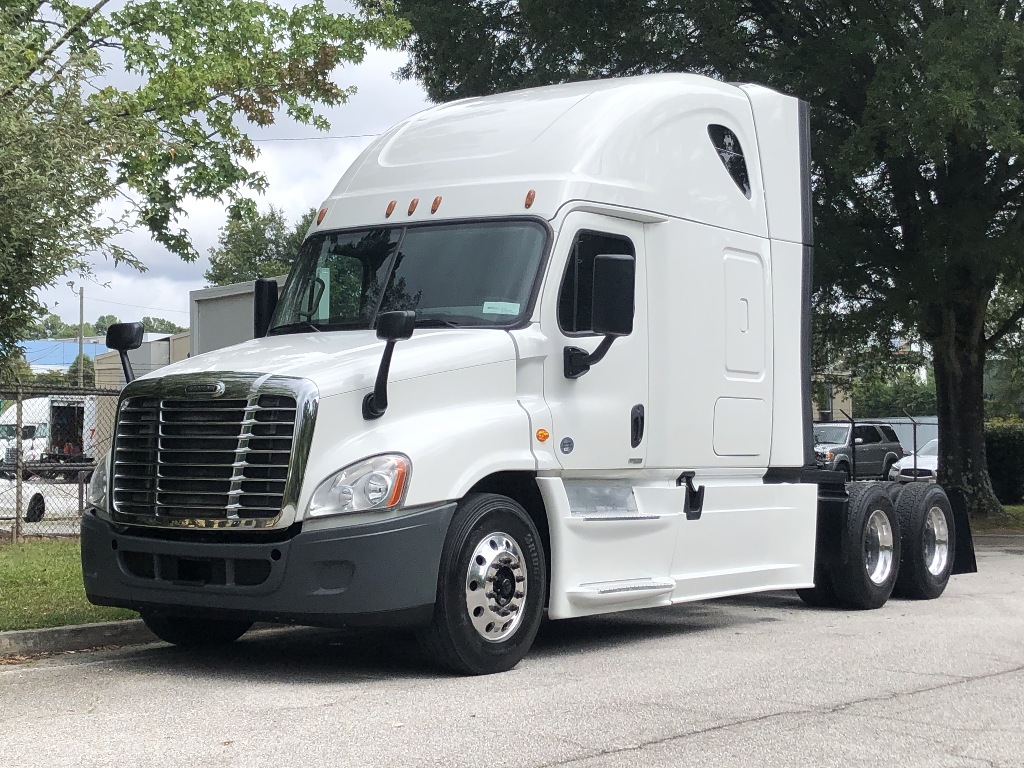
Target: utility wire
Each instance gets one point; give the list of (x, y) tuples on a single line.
[(137, 306)]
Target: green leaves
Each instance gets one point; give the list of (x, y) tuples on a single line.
[(254, 244), (111, 119)]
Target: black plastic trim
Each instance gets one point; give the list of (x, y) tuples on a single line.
[(374, 574)]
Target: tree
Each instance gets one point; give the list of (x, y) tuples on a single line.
[(918, 137), (159, 325), (253, 244), (103, 322), (15, 371), (82, 159), (88, 372)]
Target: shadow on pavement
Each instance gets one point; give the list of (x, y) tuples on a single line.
[(312, 655)]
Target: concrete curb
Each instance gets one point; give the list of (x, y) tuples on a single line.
[(74, 638)]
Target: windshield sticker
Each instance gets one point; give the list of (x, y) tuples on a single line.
[(501, 308)]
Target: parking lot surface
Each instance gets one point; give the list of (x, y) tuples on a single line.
[(753, 681)]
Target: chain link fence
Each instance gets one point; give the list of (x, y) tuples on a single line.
[(50, 440)]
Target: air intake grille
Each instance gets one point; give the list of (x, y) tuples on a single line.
[(213, 459)]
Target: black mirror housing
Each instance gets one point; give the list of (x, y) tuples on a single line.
[(125, 336), (396, 326), (264, 302), (614, 289)]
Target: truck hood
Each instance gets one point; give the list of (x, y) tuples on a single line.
[(345, 361)]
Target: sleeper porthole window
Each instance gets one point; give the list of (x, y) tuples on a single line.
[(727, 145)]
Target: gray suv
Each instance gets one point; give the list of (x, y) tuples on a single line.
[(877, 447)]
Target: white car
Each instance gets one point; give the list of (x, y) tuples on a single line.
[(927, 466)]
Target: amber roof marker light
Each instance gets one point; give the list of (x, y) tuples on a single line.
[(413, 204), (436, 204), (530, 197), (390, 209), (320, 216)]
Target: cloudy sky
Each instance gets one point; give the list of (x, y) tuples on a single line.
[(301, 166)]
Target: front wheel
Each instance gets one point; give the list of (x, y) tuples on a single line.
[(491, 588), (191, 632)]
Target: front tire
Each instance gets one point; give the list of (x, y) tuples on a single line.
[(491, 588), (865, 572), (191, 632)]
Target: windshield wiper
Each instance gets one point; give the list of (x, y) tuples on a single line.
[(435, 322), (309, 326)]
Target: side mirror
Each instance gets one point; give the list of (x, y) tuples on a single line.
[(858, 440), (614, 292), (124, 337), (612, 314), (264, 301), (396, 326), (392, 327)]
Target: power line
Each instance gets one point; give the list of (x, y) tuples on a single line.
[(137, 306), (320, 138)]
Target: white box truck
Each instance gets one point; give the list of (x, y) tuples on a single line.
[(541, 352), (58, 432)]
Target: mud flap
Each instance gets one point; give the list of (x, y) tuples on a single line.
[(964, 560)]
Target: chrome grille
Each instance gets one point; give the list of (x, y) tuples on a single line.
[(203, 458)]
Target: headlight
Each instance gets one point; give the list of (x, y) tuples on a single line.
[(98, 484), (377, 483)]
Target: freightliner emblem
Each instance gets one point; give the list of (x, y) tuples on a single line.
[(216, 389)]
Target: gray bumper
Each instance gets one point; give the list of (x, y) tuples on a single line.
[(379, 574)]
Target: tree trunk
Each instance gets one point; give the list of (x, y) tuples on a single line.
[(959, 365)]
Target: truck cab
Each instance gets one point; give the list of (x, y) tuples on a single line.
[(540, 352)]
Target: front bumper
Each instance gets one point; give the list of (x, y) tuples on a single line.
[(367, 575)]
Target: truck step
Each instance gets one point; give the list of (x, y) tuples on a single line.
[(602, 593)]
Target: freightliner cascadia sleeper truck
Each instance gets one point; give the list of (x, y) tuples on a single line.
[(546, 351)]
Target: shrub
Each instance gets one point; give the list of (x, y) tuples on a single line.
[(1004, 446)]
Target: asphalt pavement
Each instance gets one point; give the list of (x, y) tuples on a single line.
[(753, 681)]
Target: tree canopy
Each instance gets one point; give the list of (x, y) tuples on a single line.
[(917, 113), (254, 244), (113, 114)]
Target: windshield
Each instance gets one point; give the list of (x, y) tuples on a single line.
[(475, 275), (931, 448), (831, 434)]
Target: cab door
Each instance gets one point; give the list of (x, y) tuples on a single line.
[(599, 418), (609, 550)]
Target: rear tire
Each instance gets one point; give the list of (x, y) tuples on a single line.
[(191, 632), (928, 540), (865, 572), (491, 588), (36, 509)]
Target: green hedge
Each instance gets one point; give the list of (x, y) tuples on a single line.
[(1004, 445)]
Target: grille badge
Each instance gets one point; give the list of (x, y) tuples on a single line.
[(214, 390)]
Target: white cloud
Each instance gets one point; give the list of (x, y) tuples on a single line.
[(301, 171)]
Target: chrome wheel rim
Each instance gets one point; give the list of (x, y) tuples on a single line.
[(878, 543), (936, 541), (496, 586)]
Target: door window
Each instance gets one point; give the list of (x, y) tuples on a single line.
[(575, 299), (868, 434)]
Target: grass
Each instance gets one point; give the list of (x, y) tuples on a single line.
[(41, 586), (1012, 523)]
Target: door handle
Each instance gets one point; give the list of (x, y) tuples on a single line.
[(636, 426)]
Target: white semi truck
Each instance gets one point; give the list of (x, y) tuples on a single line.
[(541, 352)]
